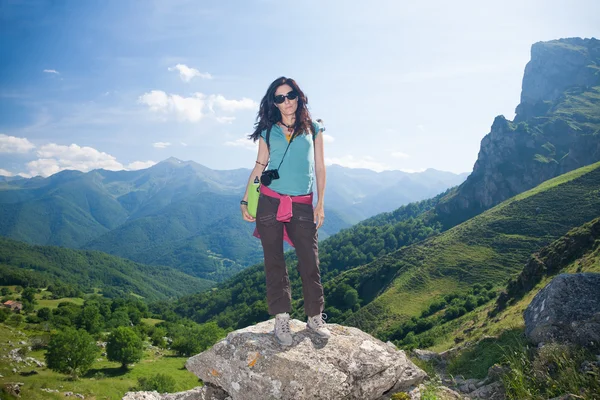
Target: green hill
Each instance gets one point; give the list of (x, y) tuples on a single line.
[(25, 264), (193, 234), (489, 248)]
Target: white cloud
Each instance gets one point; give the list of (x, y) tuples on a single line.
[(184, 144), (350, 161), (54, 158), (12, 144), (412, 171), (421, 128), (184, 108), (399, 154), (134, 166), (243, 142), (51, 71), (192, 108), (328, 138), (161, 145), (187, 74), (220, 102)]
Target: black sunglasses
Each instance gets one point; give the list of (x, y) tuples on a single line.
[(280, 98)]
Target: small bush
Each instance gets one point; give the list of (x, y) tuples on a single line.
[(160, 382), (400, 396), (40, 342), (32, 319)]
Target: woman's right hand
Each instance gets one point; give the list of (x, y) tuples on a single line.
[(245, 215)]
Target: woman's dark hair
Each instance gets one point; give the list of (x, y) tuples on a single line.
[(269, 114)]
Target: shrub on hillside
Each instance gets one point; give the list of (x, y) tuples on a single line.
[(157, 337), (44, 314), (39, 342), (32, 319), (162, 383), (15, 320), (4, 314), (195, 340)]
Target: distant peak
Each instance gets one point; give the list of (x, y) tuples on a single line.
[(177, 163), (173, 160)]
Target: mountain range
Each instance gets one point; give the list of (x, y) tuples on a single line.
[(182, 214)]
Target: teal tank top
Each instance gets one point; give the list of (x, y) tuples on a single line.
[(296, 173)]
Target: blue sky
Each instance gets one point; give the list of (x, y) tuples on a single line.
[(125, 84)]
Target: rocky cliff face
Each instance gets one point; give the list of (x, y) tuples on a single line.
[(556, 66), (556, 130)]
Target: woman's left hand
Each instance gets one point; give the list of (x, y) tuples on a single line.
[(319, 215)]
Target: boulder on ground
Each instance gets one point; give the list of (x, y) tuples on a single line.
[(566, 310), (250, 364)]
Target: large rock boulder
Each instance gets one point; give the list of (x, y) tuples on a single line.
[(249, 364), (566, 310)]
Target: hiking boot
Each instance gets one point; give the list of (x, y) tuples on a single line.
[(317, 324), (282, 329)]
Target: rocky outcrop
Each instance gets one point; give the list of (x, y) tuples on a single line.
[(556, 66), (249, 364), (206, 392), (456, 386), (566, 310), (553, 131)]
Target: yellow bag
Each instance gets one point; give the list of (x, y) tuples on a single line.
[(253, 197)]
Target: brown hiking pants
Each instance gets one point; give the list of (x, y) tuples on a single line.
[(302, 231)]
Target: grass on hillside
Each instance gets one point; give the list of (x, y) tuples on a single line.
[(501, 340), (490, 247)]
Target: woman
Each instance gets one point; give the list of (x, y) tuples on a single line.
[(285, 207)]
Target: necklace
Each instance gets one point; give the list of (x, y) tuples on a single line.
[(290, 128)]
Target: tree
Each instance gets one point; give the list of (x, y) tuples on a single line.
[(470, 303), (119, 318), (4, 291), (71, 351), (28, 306), (4, 314), (90, 319), (124, 346), (44, 313), (410, 341), (135, 316), (29, 295), (351, 297), (158, 337), (68, 311)]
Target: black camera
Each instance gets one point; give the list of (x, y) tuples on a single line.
[(268, 176)]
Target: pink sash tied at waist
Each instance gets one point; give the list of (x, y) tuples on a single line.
[(284, 210)]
